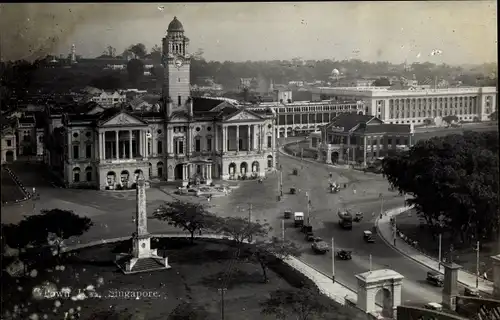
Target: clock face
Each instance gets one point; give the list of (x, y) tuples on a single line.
[(178, 63)]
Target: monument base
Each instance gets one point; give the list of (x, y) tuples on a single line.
[(130, 264)]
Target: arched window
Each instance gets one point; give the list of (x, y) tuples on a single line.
[(159, 166), (76, 175), (88, 173)]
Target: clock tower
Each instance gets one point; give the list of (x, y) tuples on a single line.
[(176, 66)]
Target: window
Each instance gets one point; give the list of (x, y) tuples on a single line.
[(9, 143), (209, 144), (197, 145), (397, 142), (269, 141), (76, 153), (88, 151), (148, 152), (88, 173), (178, 79), (389, 141), (159, 146), (76, 175), (179, 102), (179, 147)]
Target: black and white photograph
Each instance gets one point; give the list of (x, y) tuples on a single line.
[(250, 160)]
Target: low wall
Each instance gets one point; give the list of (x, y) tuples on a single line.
[(27, 195), (409, 313)]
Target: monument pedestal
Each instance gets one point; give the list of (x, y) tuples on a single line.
[(450, 288), (143, 258)]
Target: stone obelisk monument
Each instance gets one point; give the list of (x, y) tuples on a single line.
[(143, 258)]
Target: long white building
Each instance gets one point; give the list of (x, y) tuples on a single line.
[(415, 105)]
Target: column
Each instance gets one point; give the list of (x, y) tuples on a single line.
[(261, 140), (274, 140), (141, 143), (102, 146), (249, 139), (349, 148), (237, 138), (130, 144), (117, 145), (216, 138), (378, 146), (184, 172), (224, 138), (255, 137), (170, 140), (209, 171), (364, 151)]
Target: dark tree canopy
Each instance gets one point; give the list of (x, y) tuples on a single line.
[(188, 310), (191, 217), (108, 82), (298, 303), (382, 82), (135, 70), (139, 50), (454, 182)]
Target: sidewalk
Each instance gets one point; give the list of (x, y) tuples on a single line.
[(385, 231)]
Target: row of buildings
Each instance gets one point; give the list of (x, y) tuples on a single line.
[(107, 139)]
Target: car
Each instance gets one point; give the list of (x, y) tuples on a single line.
[(435, 278), (344, 254), (319, 246), (434, 306), (471, 292), (368, 236), (287, 214)]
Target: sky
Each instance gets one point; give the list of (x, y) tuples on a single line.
[(463, 32)]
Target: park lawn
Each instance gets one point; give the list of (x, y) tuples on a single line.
[(409, 225), (195, 276)]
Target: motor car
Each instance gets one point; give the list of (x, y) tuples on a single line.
[(344, 254), (434, 306), (287, 214), (435, 278), (368, 236), (319, 246)]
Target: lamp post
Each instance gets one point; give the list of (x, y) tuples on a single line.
[(308, 209), (477, 264), (333, 260)]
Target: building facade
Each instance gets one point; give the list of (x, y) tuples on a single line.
[(416, 105), (188, 140), (304, 116), (9, 141), (359, 139)]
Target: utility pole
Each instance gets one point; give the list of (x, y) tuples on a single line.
[(370, 263), (222, 290), (394, 230), (477, 265), (381, 205), (439, 252), (308, 209), (250, 220), (333, 260), (281, 183), (283, 230)]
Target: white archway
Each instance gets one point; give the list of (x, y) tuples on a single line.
[(388, 283)]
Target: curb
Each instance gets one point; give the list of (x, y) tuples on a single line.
[(388, 243), (13, 176)]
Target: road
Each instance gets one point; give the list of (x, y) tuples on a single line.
[(314, 177), (112, 213)]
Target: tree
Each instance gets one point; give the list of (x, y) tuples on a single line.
[(450, 119), (238, 229), (265, 251), (382, 82), (139, 50), (191, 217), (493, 116), (111, 51), (135, 70), (428, 122), (107, 82), (297, 303), (155, 54), (188, 310), (453, 181), (54, 226)]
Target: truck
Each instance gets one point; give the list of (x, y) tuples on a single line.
[(345, 219), (298, 219)]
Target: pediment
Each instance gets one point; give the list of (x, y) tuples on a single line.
[(243, 116), (122, 119), (179, 116), (222, 106)]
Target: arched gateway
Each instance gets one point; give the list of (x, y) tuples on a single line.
[(379, 286)]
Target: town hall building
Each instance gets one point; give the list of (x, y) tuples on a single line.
[(185, 139)]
